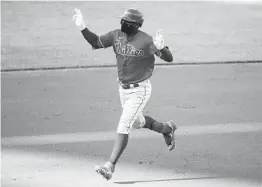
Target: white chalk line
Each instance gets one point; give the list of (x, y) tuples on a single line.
[(135, 134)]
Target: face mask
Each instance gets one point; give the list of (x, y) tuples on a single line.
[(128, 28)]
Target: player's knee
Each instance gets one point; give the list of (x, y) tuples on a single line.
[(139, 122), (123, 128)]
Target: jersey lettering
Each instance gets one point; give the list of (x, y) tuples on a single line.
[(135, 58), (127, 49)]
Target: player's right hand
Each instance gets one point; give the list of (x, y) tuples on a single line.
[(78, 19), (159, 40)]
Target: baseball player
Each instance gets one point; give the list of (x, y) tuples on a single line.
[(135, 53)]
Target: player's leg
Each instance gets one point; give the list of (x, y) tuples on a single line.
[(156, 126), (109, 167), (134, 103), (132, 108), (121, 139), (123, 130), (167, 129), (119, 147)]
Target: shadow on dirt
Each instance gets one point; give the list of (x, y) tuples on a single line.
[(165, 180)]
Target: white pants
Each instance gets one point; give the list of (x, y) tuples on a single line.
[(133, 102)]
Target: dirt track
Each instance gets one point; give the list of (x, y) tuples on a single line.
[(61, 102)]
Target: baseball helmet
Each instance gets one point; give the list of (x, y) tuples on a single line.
[(133, 15)]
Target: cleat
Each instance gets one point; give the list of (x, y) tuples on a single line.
[(105, 171), (170, 138)]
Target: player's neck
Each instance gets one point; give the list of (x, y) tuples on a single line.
[(132, 34)]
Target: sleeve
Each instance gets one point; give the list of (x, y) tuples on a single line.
[(165, 54), (107, 39), (159, 53), (152, 48)]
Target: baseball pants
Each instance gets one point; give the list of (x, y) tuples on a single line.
[(133, 102)]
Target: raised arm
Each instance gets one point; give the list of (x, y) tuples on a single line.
[(91, 37), (165, 54), (95, 41), (162, 51)]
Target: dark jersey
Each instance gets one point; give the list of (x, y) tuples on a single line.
[(135, 56)]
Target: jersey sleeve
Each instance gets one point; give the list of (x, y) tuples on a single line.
[(152, 48), (107, 39)]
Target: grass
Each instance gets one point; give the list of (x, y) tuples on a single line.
[(42, 34)]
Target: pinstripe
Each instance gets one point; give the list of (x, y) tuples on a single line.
[(144, 97), (101, 42)]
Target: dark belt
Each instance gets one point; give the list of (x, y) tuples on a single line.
[(128, 86)]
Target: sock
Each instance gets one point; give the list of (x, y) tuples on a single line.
[(156, 126)]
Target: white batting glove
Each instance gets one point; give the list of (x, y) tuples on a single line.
[(78, 19), (159, 40)]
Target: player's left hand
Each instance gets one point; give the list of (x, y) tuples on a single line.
[(78, 19), (159, 40)]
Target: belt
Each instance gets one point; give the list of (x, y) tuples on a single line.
[(128, 86)]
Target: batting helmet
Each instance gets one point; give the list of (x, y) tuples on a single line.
[(133, 15)]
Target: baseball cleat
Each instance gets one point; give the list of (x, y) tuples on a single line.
[(170, 138), (105, 171)]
